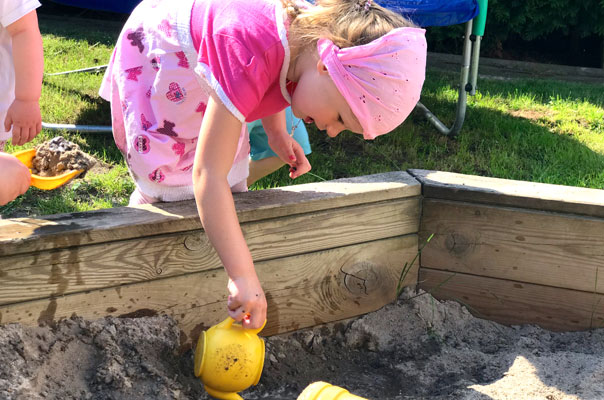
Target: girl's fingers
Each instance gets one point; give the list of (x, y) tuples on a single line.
[(239, 314), (32, 134), (299, 169), (233, 303), (7, 123), (17, 135), (255, 321), (235, 315)]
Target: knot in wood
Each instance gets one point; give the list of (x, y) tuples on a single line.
[(194, 242), (458, 245), (360, 278)]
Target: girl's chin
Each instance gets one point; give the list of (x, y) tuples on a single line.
[(296, 113)]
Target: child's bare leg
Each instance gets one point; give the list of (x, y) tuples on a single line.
[(263, 167), (137, 197)]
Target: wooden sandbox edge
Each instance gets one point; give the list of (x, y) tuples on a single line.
[(514, 252), (22, 235), (538, 196)]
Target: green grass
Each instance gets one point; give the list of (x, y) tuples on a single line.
[(532, 130)]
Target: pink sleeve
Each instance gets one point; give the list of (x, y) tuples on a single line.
[(239, 76)]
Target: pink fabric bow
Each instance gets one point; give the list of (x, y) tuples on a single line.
[(382, 80)]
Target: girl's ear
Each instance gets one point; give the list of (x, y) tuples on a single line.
[(321, 68)]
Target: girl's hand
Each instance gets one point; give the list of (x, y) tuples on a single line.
[(246, 302), (14, 178), (24, 117), (291, 153)]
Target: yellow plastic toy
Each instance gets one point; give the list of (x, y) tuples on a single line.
[(44, 182), (325, 391), (229, 359)]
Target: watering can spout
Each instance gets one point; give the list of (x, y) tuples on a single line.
[(222, 395)]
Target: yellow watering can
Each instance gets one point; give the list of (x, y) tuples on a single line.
[(45, 182), (229, 359), (325, 391)]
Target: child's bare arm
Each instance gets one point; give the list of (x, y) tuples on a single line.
[(216, 150), (14, 178), (24, 113)]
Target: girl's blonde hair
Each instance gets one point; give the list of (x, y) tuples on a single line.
[(346, 23)]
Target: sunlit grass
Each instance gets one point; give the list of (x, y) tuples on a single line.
[(533, 130)]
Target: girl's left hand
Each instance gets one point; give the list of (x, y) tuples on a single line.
[(291, 153)]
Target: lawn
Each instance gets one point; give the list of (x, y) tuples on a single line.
[(532, 130)]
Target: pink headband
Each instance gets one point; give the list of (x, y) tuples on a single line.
[(381, 81)]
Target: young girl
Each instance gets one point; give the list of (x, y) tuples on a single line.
[(21, 70), (186, 75)]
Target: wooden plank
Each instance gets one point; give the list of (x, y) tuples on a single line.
[(506, 192), (22, 235), (565, 251), (76, 269), (518, 69), (302, 290), (511, 303)]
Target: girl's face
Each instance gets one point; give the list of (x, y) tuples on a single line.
[(317, 99)]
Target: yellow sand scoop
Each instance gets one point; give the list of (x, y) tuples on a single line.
[(45, 182)]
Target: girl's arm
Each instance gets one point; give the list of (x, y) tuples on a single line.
[(24, 113), (214, 157), (288, 150)]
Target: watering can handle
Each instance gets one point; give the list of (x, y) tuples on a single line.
[(227, 323)]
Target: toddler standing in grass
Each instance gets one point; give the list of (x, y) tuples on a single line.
[(186, 76), (21, 69)]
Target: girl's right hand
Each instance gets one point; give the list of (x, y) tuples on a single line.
[(25, 120), (246, 302)]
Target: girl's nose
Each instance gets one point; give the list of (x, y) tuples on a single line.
[(333, 130)]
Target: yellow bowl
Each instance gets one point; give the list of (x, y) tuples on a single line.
[(45, 182)]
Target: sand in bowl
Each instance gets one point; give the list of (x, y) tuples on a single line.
[(58, 156)]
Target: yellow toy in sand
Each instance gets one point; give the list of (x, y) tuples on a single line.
[(229, 359), (326, 391), (44, 182)]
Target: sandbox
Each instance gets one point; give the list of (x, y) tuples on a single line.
[(328, 253)]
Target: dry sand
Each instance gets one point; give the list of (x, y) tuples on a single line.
[(419, 348)]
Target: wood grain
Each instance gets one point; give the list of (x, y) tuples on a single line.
[(506, 192), (23, 235), (512, 303), (519, 69), (54, 273), (302, 290), (543, 248)]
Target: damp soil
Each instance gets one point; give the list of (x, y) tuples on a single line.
[(418, 348), (58, 156)]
